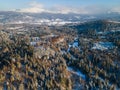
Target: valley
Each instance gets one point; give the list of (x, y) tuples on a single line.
[(59, 54)]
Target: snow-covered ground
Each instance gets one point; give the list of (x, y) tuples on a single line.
[(103, 45), (115, 30), (113, 21), (49, 36), (13, 28), (75, 44), (106, 32), (33, 43), (42, 21), (100, 32), (34, 40), (63, 52), (79, 73)]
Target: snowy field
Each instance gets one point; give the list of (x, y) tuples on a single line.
[(103, 45)]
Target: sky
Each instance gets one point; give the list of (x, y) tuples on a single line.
[(61, 6)]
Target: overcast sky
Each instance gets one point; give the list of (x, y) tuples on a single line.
[(62, 6)]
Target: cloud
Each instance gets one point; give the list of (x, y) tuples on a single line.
[(115, 9), (81, 10), (35, 7), (66, 10)]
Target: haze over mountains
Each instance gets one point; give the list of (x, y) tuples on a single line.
[(10, 17)]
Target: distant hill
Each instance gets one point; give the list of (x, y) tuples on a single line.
[(97, 25), (10, 17)]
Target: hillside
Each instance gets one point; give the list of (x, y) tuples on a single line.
[(72, 56)]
